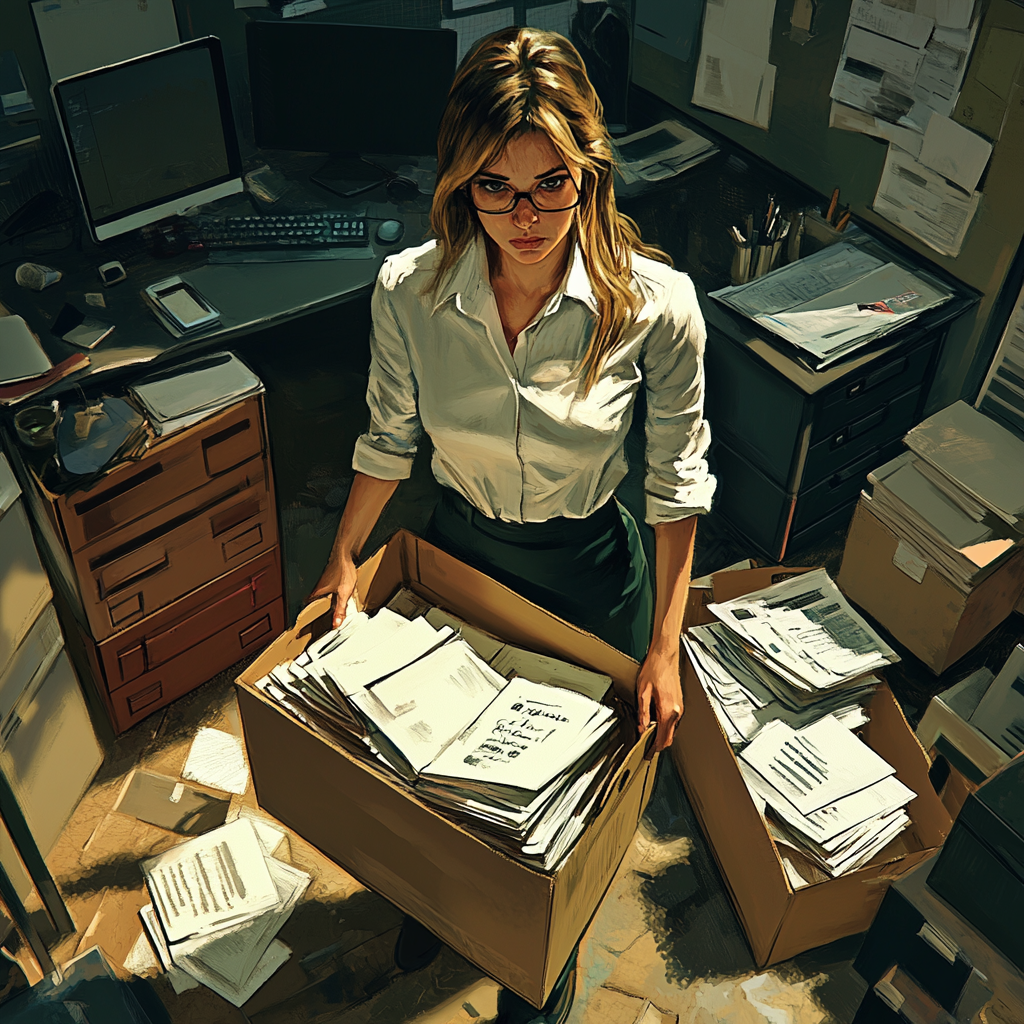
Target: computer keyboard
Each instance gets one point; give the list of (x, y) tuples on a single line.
[(300, 230)]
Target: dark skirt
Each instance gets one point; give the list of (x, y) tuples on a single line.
[(591, 572)]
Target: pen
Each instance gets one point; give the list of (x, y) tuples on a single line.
[(832, 206)]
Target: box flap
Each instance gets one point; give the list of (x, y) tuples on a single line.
[(727, 586)]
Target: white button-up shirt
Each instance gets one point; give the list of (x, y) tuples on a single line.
[(514, 433)]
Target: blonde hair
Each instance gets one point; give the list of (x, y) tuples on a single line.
[(520, 80)]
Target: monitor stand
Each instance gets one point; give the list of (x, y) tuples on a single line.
[(348, 174)]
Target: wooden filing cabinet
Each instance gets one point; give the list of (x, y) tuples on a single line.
[(175, 560)]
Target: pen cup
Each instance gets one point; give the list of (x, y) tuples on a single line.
[(740, 271)]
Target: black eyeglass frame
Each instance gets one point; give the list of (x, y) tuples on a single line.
[(528, 196)]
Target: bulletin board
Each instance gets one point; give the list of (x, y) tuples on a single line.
[(800, 142)]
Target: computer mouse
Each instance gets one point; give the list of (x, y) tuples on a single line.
[(390, 231)]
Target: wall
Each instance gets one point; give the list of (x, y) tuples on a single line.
[(801, 143)]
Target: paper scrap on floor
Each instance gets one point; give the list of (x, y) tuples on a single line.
[(216, 759), (218, 902)]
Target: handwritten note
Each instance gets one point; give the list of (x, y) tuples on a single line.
[(528, 735)]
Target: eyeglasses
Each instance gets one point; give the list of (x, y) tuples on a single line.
[(552, 195)]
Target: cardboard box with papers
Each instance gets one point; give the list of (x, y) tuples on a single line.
[(514, 921), (781, 918)]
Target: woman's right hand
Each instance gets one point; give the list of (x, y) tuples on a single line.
[(339, 583)]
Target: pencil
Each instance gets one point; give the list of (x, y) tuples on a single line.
[(832, 206), (843, 221)]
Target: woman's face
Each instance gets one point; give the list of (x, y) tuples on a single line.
[(529, 162)]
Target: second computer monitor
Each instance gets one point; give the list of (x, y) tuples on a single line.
[(327, 88)]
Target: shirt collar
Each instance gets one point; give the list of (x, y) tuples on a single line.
[(468, 281)]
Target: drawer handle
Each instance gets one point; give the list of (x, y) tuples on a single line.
[(113, 583), (117, 490), (858, 427), (872, 380), (145, 698), (224, 521)]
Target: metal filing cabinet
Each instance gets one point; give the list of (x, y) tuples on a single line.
[(49, 752), (170, 563), (792, 447)]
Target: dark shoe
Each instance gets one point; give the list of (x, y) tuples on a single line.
[(513, 1009), (416, 946)]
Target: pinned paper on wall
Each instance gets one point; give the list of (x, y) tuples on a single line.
[(472, 27), (80, 35), (955, 152), (734, 76), (922, 203)]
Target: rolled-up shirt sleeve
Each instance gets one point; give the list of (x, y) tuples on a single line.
[(677, 482), (388, 447)]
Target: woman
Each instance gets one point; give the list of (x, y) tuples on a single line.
[(518, 341)]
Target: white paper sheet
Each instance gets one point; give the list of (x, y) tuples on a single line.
[(923, 203), (894, 22), (852, 120), (817, 766), (209, 882), (730, 81), (423, 708), (216, 760), (954, 151), (527, 735), (734, 76)]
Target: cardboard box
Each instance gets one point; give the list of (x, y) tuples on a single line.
[(518, 924), (932, 618), (781, 922)]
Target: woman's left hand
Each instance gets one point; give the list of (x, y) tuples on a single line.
[(659, 690)]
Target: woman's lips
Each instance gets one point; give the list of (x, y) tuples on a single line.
[(526, 243)]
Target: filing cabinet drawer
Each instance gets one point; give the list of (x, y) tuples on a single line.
[(851, 440), (152, 570), (172, 468), (24, 585), (768, 516), (170, 653), (197, 665), (865, 392)]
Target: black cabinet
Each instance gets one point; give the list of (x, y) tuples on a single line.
[(792, 447)]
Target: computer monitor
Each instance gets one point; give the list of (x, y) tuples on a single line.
[(150, 137), (348, 89)]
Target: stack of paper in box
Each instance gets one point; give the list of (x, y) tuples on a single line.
[(825, 795), (957, 497), (192, 391), (793, 652), (520, 763), (219, 900)]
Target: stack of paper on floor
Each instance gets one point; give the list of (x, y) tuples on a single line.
[(520, 763), (189, 393), (219, 900), (793, 652), (825, 795), (835, 301)]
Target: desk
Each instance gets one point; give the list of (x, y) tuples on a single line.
[(250, 297), (791, 447)]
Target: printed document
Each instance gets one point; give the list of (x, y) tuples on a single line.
[(817, 766)]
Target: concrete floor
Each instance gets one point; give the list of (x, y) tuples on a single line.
[(666, 931)]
